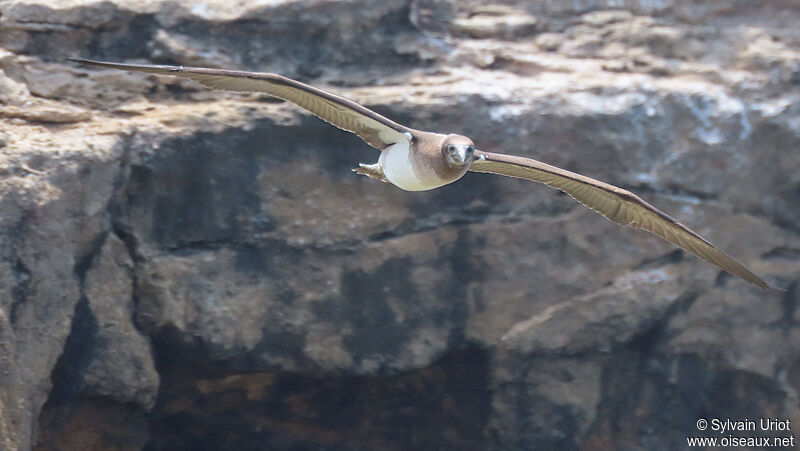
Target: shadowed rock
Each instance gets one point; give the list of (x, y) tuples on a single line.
[(184, 268)]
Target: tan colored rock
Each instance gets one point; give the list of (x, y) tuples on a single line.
[(182, 267)]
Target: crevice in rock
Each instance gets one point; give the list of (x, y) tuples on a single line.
[(128, 238), (419, 226), (407, 228), (458, 220), (118, 211), (19, 294), (21, 273), (86, 261), (117, 205), (658, 331), (68, 374)]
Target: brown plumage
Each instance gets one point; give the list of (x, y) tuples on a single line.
[(417, 160), (616, 204)]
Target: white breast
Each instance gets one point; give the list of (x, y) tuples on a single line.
[(397, 167)]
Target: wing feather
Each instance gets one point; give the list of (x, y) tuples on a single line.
[(376, 130), (616, 204)]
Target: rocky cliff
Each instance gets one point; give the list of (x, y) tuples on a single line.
[(189, 269)]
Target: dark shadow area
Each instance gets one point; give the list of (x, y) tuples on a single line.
[(444, 406), (92, 424)]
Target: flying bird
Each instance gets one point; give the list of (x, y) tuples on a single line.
[(416, 160)]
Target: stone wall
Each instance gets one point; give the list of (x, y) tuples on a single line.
[(189, 269)]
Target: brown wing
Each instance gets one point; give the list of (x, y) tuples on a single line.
[(616, 204), (378, 131)]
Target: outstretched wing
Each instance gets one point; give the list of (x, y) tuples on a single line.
[(378, 131), (616, 204)]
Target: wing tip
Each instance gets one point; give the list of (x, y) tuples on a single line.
[(773, 288), (88, 62), (759, 282)]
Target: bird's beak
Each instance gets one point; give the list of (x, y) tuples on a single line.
[(462, 155)]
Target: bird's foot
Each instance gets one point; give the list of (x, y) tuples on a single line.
[(373, 171)]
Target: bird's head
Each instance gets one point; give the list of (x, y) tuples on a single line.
[(458, 150)]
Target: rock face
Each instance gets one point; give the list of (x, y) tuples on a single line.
[(184, 269)]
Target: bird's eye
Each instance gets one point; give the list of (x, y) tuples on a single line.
[(451, 147)]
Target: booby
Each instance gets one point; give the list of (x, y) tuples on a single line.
[(416, 160)]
